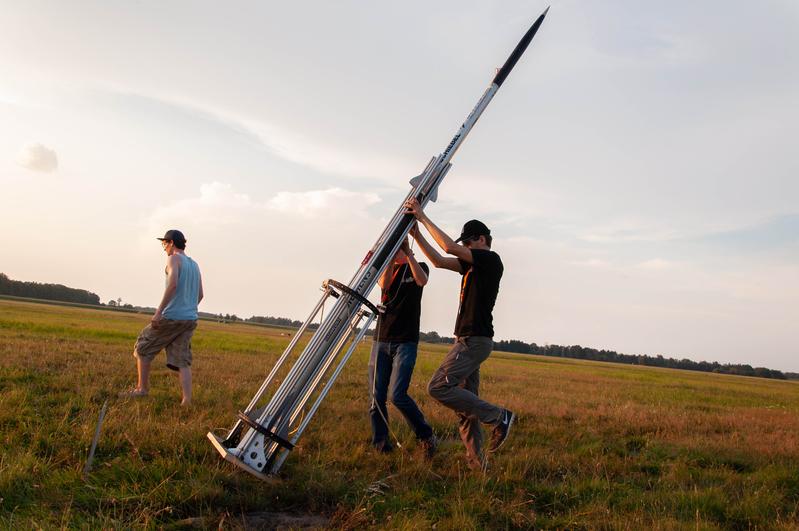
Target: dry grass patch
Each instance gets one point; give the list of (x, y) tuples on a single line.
[(597, 446)]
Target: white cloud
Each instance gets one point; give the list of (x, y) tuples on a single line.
[(38, 157), (656, 264), (627, 230), (268, 256), (591, 262), (327, 155), (332, 202), (217, 202)]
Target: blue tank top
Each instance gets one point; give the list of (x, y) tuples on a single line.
[(183, 306)]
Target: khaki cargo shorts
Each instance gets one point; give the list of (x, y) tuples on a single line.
[(174, 336)]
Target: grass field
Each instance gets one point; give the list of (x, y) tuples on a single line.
[(598, 446)]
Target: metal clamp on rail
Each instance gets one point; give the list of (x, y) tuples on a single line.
[(266, 433), (351, 292)]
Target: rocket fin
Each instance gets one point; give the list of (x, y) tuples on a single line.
[(415, 182)]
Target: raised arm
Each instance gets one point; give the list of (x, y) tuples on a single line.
[(385, 277), (441, 238), (419, 276), (442, 262)]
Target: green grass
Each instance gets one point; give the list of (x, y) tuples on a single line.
[(598, 445)]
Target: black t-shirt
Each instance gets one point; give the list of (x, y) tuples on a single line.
[(403, 301), (479, 288)]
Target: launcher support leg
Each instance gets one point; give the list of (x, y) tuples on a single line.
[(262, 438), (325, 390), (234, 436)]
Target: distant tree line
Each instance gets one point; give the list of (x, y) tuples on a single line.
[(58, 292), (585, 353), (269, 320), (118, 304), (276, 321), (433, 337), (53, 292), (582, 353)]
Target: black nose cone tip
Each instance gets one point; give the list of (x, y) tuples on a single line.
[(519, 50)]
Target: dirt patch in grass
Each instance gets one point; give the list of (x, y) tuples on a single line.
[(264, 520)]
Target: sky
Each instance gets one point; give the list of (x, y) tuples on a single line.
[(638, 169)]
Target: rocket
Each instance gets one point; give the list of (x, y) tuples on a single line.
[(271, 425)]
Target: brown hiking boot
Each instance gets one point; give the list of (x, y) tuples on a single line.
[(429, 446)]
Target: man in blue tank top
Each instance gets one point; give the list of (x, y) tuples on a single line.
[(174, 321)]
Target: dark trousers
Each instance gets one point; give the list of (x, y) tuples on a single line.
[(456, 385), (390, 369)]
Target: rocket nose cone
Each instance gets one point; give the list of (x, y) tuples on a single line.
[(519, 50)]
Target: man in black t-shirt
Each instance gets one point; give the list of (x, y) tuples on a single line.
[(455, 384), (394, 351)]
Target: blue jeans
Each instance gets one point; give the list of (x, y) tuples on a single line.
[(390, 369)]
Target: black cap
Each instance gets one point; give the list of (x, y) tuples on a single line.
[(173, 235), (472, 229)]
